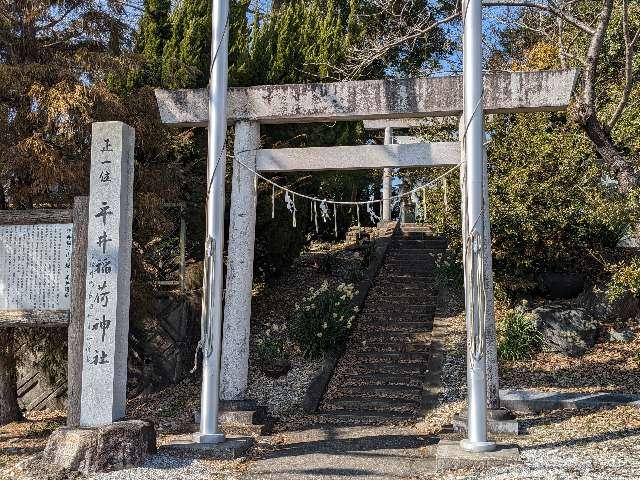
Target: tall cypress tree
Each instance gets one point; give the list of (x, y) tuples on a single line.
[(186, 55), (155, 31)]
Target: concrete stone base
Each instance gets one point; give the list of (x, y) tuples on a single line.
[(229, 449), (242, 418), (100, 449), (499, 422), (536, 401), (450, 455)]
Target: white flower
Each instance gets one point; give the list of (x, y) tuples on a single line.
[(356, 309), (319, 334), (324, 325), (343, 297), (335, 315)]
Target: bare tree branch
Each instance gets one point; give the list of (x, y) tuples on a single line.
[(547, 7), (595, 47), (629, 53), (384, 49)]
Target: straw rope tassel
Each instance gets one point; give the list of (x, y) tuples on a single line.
[(424, 205), (294, 209), (315, 215), (358, 214), (273, 201), (446, 194), (335, 219)]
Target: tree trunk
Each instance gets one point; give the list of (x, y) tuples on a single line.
[(9, 410), (610, 153)]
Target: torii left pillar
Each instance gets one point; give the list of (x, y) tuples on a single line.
[(239, 284)]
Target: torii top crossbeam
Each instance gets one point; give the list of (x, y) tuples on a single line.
[(371, 99)]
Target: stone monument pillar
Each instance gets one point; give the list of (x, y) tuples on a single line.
[(106, 328)]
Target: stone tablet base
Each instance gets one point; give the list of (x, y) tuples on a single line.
[(100, 449), (500, 421), (450, 455), (228, 450)]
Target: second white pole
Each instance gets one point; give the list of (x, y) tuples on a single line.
[(473, 139)]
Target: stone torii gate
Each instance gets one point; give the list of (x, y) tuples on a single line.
[(393, 100)]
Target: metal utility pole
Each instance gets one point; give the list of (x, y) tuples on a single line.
[(473, 139), (386, 180), (213, 266)]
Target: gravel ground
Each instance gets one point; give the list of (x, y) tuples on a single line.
[(563, 444), (166, 467), (560, 445), (283, 396)]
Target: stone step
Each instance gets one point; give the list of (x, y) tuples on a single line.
[(396, 337), (368, 390), (398, 274), (401, 357), (387, 368), (383, 347), (410, 271), (373, 404), (373, 379), (408, 263), (360, 417), (373, 321), (392, 337), (414, 308), (404, 327), (406, 290), (418, 243), (403, 280), (420, 296), (416, 285)]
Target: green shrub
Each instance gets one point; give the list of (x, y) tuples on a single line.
[(271, 346), (321, 322), (518, 336), (550, 206), (625, 278)]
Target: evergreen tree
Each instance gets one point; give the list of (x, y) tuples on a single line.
[(187, 53), (52, 56), (155, 31)]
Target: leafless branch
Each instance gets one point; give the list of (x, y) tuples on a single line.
[(629, 53), (373, 53), (595, 47), (550, 7)]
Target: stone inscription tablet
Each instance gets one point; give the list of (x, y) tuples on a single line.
[(35, 266)]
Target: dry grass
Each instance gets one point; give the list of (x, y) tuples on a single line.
[(21, 439)]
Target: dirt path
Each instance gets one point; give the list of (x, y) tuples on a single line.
[(330, 453)]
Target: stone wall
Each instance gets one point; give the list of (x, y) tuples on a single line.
[(159, 356)]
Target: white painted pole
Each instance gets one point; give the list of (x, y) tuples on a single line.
[(474, 156), (386, 180), (213, 266)]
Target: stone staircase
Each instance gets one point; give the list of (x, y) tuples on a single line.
[(380, 378)]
